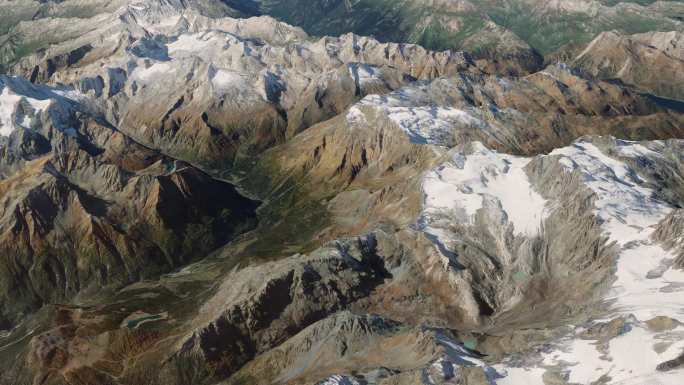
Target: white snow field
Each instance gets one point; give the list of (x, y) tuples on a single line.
[(22, 103), (646, 285), (461, 186), (410, 109)]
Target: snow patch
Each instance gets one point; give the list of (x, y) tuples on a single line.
[(155, 72), (630, 359), (411, 110), (11, 115), (195, 44), (582, 358), (223, 80), (71, 94), (646, 285), (634, 360), (519, 376), (627, 209), (355, 116), (339, 380), (459, 188), (636, 150), (459, 354), (643, 289), (431, 125), (8, 104)]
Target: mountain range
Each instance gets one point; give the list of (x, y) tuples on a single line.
[(480, 192)]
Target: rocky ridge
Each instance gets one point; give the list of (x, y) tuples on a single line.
[(82, 201), (511, 37), (287, 83), (651, 61)]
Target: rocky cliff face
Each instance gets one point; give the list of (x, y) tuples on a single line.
[(187, 197)]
